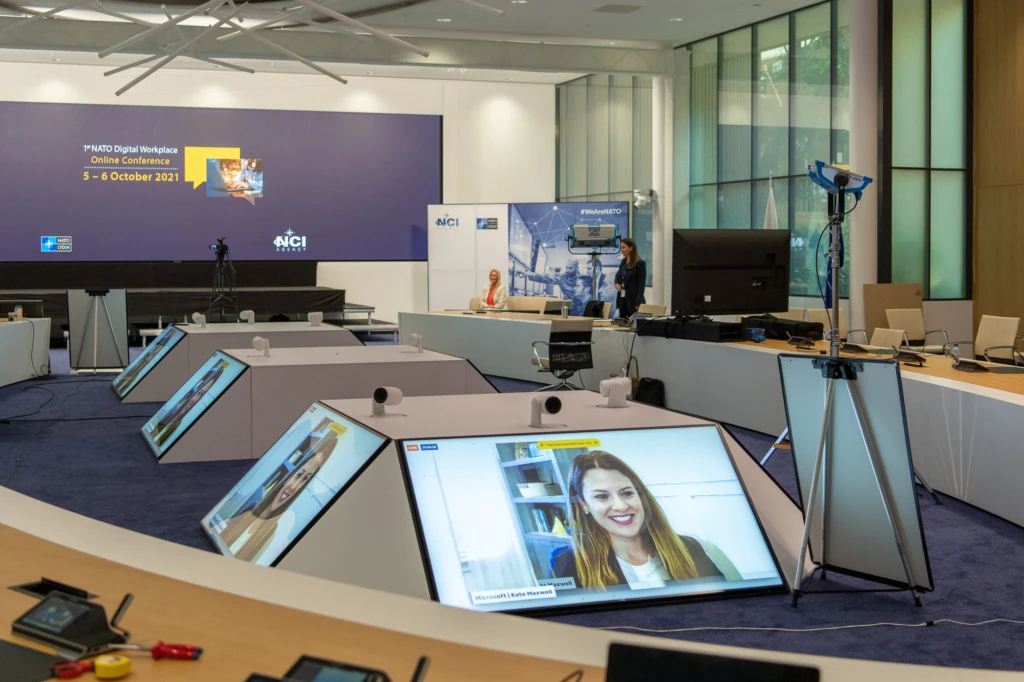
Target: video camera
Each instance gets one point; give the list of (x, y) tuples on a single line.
[(220, 247)]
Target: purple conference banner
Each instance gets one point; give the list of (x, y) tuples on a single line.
[(83, 182)]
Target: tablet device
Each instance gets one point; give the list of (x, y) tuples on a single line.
[(628, 663)]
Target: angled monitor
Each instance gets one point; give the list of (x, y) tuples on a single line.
[(554, 521), (147, 360), (291, 486), (190, 401)]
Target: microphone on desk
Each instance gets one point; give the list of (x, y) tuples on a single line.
[(420, 673)]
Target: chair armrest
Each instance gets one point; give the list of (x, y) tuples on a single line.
[(850, 332), (1014, 353), (534, 347), (938, 331)]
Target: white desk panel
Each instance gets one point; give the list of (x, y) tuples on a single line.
[(24, 349)]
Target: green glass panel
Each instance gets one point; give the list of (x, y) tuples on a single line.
[(704, 207), (734, 87), (771, 99), (948, 277), (704, 112), (841, 94), (909, 213), (643, 234), (734, 206), (909, 83), (808, 217), (949, 85), (811, 99), (780, 191)]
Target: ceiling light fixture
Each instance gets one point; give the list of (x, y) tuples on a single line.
[(367, 73), (444, 20), (676, 19), (518, 2)]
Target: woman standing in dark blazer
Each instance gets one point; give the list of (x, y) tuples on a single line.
[(631, 279)]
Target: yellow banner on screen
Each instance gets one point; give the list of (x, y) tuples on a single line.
[(195, 161), (338, 428), (567, 444)]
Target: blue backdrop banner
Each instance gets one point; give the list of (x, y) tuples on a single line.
[(540, 262)]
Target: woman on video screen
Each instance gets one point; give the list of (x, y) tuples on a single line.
[(621, 535), (249, 533)]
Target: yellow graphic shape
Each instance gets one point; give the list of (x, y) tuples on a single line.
[(338, 428), (195, 161), (557, 528), (566, 444)]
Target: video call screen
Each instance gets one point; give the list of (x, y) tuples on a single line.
[(535, 521), (147, 360), (190, 401), (290, 486)]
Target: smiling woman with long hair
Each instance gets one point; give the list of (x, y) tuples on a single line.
[(621, 535)]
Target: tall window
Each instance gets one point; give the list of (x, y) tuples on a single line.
[(604, 147), (925, 214), (765, 102)]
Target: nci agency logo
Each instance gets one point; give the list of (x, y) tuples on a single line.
[(290, 242), (447, 221)]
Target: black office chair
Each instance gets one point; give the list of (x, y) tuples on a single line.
[(594, 309), (569, 350)]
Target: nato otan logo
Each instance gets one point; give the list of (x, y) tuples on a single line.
[(55, 244), (290, 242), (447, 221)]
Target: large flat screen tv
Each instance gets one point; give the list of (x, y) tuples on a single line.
[(730, 272), (555, 521), (291, 486), (190, 401), (147, 360)]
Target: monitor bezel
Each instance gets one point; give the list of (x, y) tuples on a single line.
[(330, 503), (150, 369), (599, 605), (159, 455)]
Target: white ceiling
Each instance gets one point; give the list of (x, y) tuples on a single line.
[(577, 18), (288, 66)]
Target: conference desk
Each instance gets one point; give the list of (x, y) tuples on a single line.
[(965, 428), (24, 349), (249, 619)]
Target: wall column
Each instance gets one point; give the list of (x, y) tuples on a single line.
[(659, 143), (863, 151)]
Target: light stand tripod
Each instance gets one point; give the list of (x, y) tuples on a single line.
[(223, 298), (97, 300), (842, 372)]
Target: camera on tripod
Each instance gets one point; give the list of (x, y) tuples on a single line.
[(220, 247)]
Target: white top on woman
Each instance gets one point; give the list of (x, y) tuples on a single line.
[(500, 298)]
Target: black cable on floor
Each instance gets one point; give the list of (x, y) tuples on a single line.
[(24, 451), (53, 395)]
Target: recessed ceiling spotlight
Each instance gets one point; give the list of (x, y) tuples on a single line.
[(367, 73), (510, 79), (611, 43), (676, 19), (518, 2), (444, 20)]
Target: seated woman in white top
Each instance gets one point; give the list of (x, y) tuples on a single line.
[(495, 294)]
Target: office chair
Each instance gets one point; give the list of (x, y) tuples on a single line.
[(912, 319), (595, 309), (996, 340), (821, 315), (652, 309), (569, 350)]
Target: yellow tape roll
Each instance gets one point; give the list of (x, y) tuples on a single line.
[(112, 667)]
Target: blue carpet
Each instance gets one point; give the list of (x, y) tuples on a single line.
[(100, 467)]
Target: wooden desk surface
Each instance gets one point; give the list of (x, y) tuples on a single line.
[(936, 366), (511, 315), (240, 636)]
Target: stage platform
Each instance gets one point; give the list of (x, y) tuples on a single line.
[(242, 419), (164, 372), (146, 306)]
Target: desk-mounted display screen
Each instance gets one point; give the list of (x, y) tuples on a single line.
[(552, 521), (147, 360), (288, 489), (190, 401)]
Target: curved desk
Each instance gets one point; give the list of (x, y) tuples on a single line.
[(965, 428), (256, 619)]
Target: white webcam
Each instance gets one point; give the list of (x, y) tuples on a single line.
[(199, 319), (315, 319), (416, 341), (385, 395), (261, 345), (543, 404), (247, 316), (617, 391)]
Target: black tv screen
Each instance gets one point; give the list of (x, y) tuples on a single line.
[(730, 272)]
